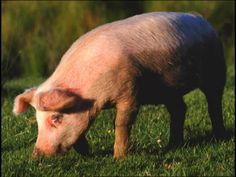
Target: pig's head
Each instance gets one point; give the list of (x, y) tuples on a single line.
[(62, 117)]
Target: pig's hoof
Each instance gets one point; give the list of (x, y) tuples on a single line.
[(82, 147), (173, 146), (119, 157), (220, 135), (119, 153)]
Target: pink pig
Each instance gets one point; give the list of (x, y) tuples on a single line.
[(152, 58)]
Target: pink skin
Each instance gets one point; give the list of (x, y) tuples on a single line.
[(154, 58), (58, 128), (80, 63), (58, 132), (59, 139)]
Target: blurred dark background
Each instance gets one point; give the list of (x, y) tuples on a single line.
[(36, 34)]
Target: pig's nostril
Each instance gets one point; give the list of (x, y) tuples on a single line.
[(60, 149), (37, 152)]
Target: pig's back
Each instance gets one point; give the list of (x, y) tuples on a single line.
[(162, 36), (171, 46), (174, 46)]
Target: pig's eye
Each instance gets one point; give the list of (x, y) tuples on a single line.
[(57, 118)]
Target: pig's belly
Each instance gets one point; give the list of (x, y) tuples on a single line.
[(154, 91)]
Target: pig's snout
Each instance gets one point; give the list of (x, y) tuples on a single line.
[(37, 152)]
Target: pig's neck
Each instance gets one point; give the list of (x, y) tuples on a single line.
[(75, 75), (71, 79)]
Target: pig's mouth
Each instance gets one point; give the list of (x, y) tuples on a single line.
[(62, 150), (81, 146)]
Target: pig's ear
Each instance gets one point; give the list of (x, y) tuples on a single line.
[(55, 100), (23, 100)]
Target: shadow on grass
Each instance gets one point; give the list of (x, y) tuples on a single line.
[(102, 153), (152, 149), (205, 139), (208, 138)]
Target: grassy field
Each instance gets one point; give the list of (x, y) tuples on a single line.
[(201, 155)]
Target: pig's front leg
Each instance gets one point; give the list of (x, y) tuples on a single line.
[(82, 146), (125, 116)]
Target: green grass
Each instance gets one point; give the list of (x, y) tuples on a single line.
[(201, 155)]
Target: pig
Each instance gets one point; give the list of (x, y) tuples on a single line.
[(151, 58)]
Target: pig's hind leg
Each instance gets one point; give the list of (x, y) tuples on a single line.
[(213, 88), (213, 82), (177, 109), (214, 100), (125, 116)]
